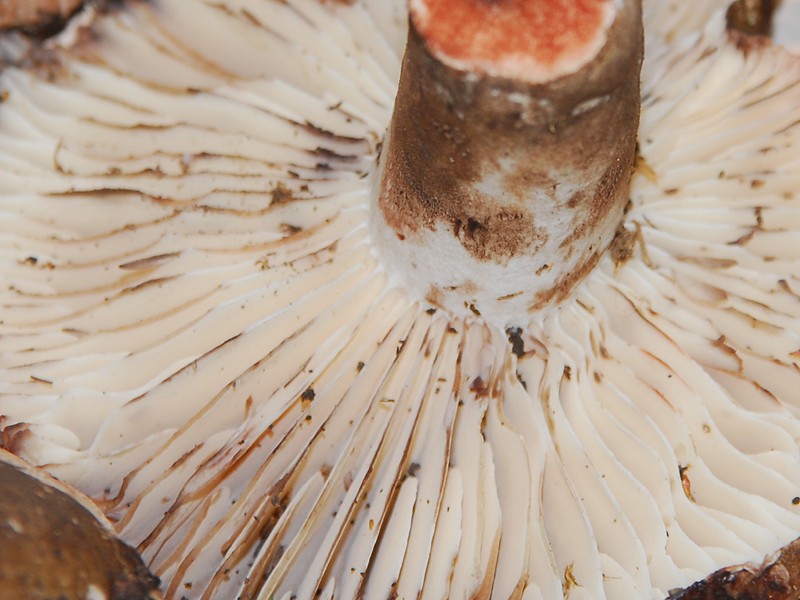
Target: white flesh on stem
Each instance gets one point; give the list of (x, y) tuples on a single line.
[(194, 330)]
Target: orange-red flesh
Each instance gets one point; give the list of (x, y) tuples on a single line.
[(479, 31)]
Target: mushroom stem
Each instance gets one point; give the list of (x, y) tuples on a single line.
[(506, 167)]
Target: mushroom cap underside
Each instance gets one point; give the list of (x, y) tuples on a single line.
[(196, 333)]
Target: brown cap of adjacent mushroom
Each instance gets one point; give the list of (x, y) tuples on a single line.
[(35, 14), (777, 578), (55, 543)]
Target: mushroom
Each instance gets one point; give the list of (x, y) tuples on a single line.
[(201, 331), (777, 578), (56, 543)]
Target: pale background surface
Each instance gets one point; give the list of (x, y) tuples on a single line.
[(787, 25)]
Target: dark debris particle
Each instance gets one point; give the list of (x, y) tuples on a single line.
[(517, 344), (308, 395), (685, 481), (622, 246), (288, 229), (479, 387), (281, 194)]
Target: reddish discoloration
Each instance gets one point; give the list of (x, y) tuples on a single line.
[(563, 288), (541, 30), (606, 193), (435, 296)]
